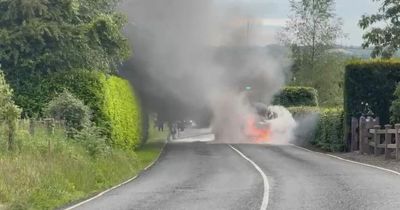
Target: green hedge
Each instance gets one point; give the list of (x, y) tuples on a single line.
[(297, 96), (372, 82), (123, 109), (113, 102), (328, 132), (86, 85)]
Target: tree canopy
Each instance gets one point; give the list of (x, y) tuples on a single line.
[(311, 33), (382, 29), (312, 29), (42, 36)]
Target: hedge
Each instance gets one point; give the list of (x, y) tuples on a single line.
[(113, 102), (328, 131), (297, 96), (86, 85), (372, 82), (123, 110)]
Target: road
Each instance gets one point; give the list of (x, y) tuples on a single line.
[(214, 176)]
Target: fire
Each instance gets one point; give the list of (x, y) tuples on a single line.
[(256, 133)]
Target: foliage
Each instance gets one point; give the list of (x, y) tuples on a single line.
[(395, 107), (330, 131), (302, 111), (9, 112), (145, 130), (311, 33), (41, 37), (370, 83), (384, 37), (326, 77), (123, 109), (93, 140), (35, 178), (312, 29), (297, 96), (113, 103), (69, 108), (86, 85), (34, 94), (44, 36), (328, 134)]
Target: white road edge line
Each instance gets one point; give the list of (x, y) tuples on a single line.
[(350, 161), (265, 201), (120, 185)]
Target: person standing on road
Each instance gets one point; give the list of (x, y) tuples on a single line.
[(172, 130)]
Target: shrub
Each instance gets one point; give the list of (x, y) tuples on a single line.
[(329, 135), (395, 107), (69, 108), (8, 110), (93, 140), (297, 96), (301, 111), (123, 109), (114, 105), (88, 86), (325, 130)]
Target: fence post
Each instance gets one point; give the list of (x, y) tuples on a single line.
[(354, 134), (376, 139), (388, 140), (397, 136), (50, 125), (31, 127), (50, 129), (362, 136)]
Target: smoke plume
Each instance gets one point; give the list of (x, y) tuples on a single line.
[(197, 55)]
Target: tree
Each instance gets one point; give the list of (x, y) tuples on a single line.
[(312, 29), (311, 33), (9, 112), (39, 37), (382, 29)]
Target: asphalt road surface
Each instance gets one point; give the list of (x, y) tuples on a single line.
[(214, 176)]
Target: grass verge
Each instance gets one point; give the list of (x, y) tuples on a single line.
[(41, 177)]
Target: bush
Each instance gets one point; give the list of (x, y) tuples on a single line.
[(372, 82), (328, 131), (114, 105), (297, 96), (9, 112), (302, 111), (395, 107), (123, 109), (92, 139), (88, 86), (69, 108)]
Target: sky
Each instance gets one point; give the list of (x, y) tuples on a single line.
[(273, 15)]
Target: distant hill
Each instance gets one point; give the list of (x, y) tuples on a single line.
[(351, 51)]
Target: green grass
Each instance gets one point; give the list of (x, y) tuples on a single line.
[(36, 177), (150, 151)]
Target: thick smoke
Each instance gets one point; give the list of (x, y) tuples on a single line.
[(192, 55)]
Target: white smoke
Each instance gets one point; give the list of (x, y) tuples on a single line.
[(199, 51), (283, 127)]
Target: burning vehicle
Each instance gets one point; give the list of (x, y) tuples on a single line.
[(258, 126)]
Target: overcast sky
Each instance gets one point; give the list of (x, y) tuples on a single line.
[(275, 12)]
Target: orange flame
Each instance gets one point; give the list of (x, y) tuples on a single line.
[(259, 135)]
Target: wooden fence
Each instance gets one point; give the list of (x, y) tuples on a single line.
[(385, 141), (32, 125), (46, 127), (371, 138)]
